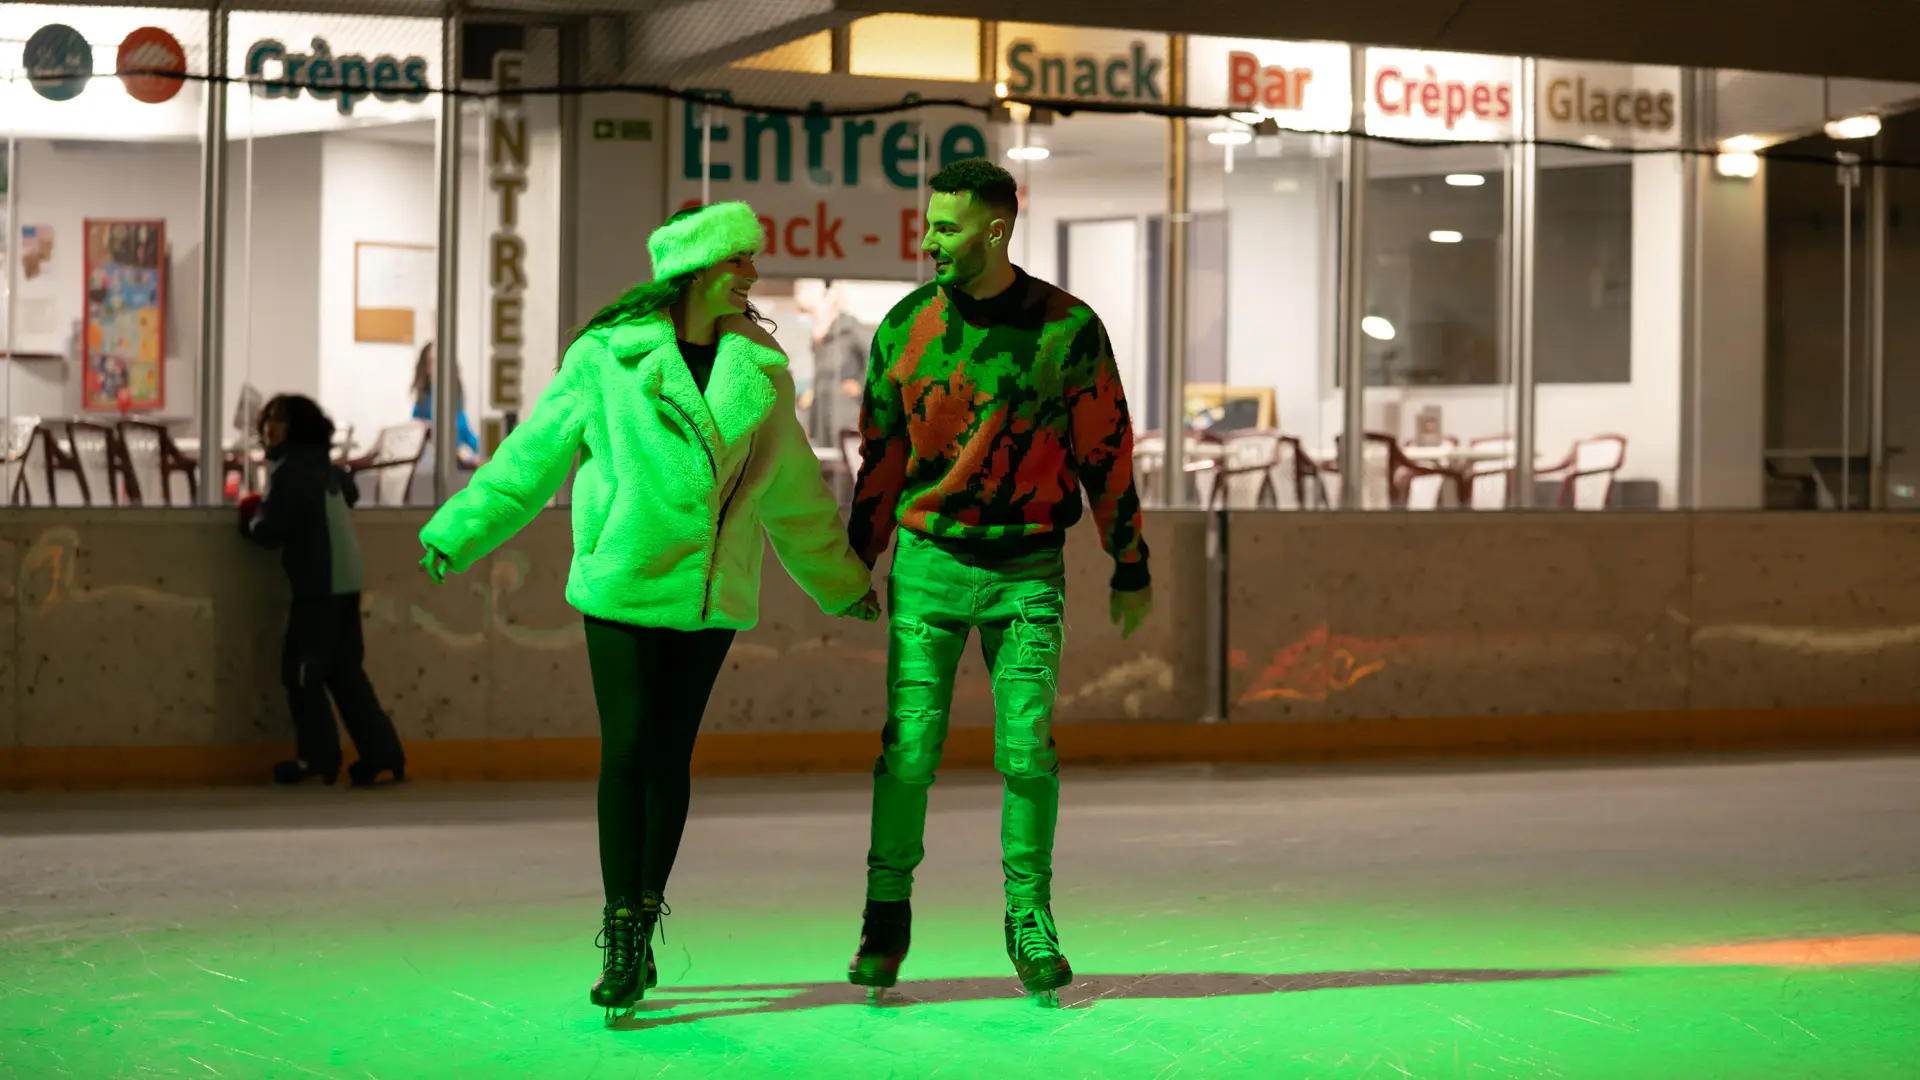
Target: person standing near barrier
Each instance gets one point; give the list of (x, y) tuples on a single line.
[(307, 513), (679, 408), (992, 398)]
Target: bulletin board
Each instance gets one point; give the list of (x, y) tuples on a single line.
[(1229, 407), (124, 353), (395, 286)]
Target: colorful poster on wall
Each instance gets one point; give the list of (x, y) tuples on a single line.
[(124, 358)]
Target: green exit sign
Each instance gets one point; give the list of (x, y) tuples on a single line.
[(623, 131)]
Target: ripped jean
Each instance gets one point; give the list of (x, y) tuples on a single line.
[(935, 597)]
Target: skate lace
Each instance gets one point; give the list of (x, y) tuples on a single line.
[(620, 940), (653, 915), (1034, 934)]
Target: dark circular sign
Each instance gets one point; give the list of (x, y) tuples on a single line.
[(59, 62)]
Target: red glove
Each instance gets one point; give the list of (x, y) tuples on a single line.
[(249, 508)]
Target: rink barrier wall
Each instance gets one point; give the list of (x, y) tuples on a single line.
[(141, 648)]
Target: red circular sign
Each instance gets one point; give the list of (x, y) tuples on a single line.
[(151, 65)]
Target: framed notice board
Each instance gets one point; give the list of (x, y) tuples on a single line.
[(123, 359), (395, 287)]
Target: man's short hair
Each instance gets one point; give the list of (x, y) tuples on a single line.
[(986, 182)]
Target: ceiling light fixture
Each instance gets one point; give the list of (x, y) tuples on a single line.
[(1465, 179), (1445, 236), (1027, 153), (1854, 127)]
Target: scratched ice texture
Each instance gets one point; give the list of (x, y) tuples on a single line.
[(1463, 921)]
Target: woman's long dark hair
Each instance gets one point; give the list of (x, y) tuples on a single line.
[(644, 299), (423, 378)]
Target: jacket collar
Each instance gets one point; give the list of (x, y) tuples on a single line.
[(740, 395)]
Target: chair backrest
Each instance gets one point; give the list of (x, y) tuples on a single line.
[(1247, 460), (46, 463), (396, 454), (1596, 462), (1488, 484), (94, 451), (1425, 490), (145, 445), (1376, 492)]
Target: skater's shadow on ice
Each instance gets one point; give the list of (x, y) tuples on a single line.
[(679, 1005)]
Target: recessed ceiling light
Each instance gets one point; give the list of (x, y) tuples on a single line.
[(1230, 138), (1466, 179), (1445, 236), (1377, 328), (1028, 153)]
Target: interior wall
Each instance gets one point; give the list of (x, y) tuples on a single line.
[(371, 190), (273, 271), (1730, 389), (1277, 285), (63, 183)]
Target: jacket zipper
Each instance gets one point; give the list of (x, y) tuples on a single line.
[(713, 464), (713, 561)]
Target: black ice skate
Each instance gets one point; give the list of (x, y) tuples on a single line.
[(885, 932), (652, 907), (364, 774), (1033, 944), (621, 971)]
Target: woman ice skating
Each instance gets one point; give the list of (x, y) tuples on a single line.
[(679, 408)]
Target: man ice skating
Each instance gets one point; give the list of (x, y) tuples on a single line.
[(992, 398)]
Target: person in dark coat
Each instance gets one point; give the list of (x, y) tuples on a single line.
[(307, 515)]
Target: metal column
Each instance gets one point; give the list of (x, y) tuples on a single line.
[(213, 252), (1849, 182), (1877, 215), (573, 50), (1521, 186), (1173, 400), (446, 403), (1352, 343), (1696, 89)]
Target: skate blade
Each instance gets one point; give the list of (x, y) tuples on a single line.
[(876, 995), (1047, 999)]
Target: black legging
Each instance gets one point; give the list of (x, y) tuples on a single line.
[(652, 687)]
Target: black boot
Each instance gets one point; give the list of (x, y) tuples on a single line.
[(652, 907), (1033, 944), (619, 985), (885, 932), (366, 774), (289, 773)]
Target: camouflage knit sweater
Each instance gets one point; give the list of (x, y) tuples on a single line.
[(983, 419)]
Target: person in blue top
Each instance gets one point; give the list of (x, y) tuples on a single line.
[(469, 443)]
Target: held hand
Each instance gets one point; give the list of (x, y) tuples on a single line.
[(249, 507), (866, 609), (1130, 609), (852, 389), (435, 564), (806, 399)]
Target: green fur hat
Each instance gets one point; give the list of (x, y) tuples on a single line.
[(703, 238)]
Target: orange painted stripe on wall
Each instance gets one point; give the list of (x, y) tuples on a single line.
[(1680, 731)]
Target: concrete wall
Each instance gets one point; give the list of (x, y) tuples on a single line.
[(160, 630)]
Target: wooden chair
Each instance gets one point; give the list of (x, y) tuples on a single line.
[(42, 463), (98, 461), (1589, 471), (395, 457), (1389, 475), (152, 459), (1490, 479)]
